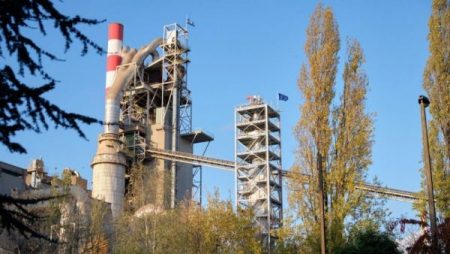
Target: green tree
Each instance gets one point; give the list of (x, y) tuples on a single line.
[(369, 242), (23, 106), (336, 141)]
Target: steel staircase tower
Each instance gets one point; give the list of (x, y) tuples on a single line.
[(258, 164)]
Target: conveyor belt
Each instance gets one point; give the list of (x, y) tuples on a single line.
[(391, 193), (191, 159), (183, 157)]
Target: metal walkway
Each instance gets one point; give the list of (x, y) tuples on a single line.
[(391, 193), (188, 158)]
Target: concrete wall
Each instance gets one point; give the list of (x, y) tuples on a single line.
[(184, 173), (161, 137), (11, 178)]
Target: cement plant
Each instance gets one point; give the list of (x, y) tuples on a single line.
[(148, 121)]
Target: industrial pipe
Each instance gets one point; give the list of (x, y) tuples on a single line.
[(109, 162), (131, 60)]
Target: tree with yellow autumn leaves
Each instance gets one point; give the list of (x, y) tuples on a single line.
[(436, 81), (334, 142)]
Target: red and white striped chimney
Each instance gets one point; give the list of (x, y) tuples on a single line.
[(114, 59), (115, 42)]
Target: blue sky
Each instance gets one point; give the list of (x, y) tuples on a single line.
[(242, 48)]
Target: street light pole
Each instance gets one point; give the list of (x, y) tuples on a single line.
[(424, 102)]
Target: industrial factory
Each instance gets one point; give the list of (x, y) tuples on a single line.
[(148, 122)]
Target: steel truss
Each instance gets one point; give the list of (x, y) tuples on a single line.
[(197, 177), (174, 79), (258, 165), (158, 93), (196, 160)]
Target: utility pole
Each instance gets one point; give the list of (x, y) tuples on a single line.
[(322, 196), (424, 102)]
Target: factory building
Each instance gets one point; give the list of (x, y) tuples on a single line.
[(148, 106)]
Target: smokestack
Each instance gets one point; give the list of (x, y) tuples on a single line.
[(108, 165), (114, 59)]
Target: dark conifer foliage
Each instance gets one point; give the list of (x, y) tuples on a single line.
[(23, 106), (15, 215)]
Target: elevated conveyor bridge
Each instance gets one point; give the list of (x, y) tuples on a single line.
[(391, 193)]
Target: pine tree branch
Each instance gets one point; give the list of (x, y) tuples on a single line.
[(22, 106), (15, 216)]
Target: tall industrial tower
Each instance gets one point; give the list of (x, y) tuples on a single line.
[(258, 164), (156, 111), (151, 108)]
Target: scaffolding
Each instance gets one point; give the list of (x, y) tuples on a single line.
[(156, 113), (176, 97), (158, 96), (174, 68), (134, 116), (258, 165)]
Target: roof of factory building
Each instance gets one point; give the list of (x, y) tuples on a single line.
[(11, 169)]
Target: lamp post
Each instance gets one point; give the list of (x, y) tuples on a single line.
[(424, 102)]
